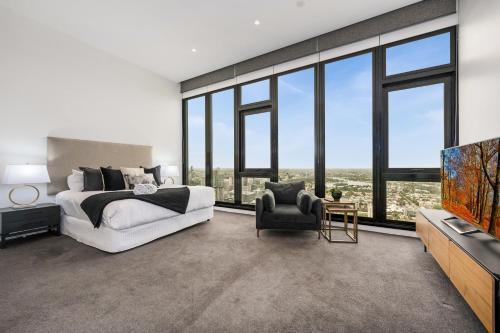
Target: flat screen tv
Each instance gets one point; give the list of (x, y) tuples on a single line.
[(470, 180)]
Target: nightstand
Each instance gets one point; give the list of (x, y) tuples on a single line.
[(16, 222)]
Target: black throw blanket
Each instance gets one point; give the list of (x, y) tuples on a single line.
[(175, 199)]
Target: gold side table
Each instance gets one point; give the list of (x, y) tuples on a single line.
[(345, 208)]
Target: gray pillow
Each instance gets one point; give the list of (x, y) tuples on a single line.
[(285, 193), (304, 202), (268, 201)]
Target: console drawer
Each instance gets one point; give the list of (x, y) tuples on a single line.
[(422, 229), (18, 226), (439, 247), (474, 283), (30, 214)]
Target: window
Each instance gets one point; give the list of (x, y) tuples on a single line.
[(370, 124), (252, 187), (405, 198), (196, 141), (348, 130), (417, 123), (422, 53), (296, 127), (416, 126), (255, 92), (257, 140), (223, 145)]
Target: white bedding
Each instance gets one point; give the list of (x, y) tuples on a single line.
[(124, 214)]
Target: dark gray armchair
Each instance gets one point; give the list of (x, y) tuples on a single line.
[(288, 206)]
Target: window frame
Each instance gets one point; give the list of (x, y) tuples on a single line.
[(185, 137), (446, 74), (427, 70), (243, 116), (258, 104), (210, 152), (381, 84), (316, 112)]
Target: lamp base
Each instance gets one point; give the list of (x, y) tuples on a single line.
[(171, 179), (18, 205)]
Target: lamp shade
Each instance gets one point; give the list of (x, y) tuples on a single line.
[(172, 171), (25, 174)]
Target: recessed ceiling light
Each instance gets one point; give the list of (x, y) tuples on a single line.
[(193, 50), (256, 22)]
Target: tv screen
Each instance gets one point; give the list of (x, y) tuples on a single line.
[(470, 184)]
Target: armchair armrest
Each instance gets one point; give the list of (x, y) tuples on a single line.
[(317, 210)]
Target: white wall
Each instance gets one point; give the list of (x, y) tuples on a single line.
[(54, 85), (479, 70)]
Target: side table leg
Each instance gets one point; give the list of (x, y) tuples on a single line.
[(330, 226), (355, 222), (2, 242)]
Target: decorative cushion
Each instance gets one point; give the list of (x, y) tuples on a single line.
[(285, 193), (92, 179), (268, 201), (156, 172), (145, 189), (113, 179), (304, 202), (130, 172), (146, 178), (75, 181)]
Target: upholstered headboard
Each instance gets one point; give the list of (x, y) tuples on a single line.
[(66, 154)]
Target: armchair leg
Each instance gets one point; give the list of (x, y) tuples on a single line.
[(319, 234), (258, 230)]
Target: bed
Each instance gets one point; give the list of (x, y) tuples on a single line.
[(125, 223)]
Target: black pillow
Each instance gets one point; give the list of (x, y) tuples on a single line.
[(304, 202), (92, 179), (113, 179), (268, 201), (285, 193), (156, 171)]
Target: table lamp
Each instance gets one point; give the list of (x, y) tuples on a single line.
[(172, 171), (25, 175)]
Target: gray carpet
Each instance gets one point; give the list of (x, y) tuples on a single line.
[(218, 277)]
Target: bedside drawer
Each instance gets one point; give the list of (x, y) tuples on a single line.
[(8, 228), (30, 214)]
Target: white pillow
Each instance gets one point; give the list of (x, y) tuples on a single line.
[(75, 181), (130, 172)]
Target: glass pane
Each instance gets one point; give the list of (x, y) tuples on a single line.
[(252, 188), (196, 141), (419, 54), (258, 140), (296, 115), (416, 127), (405, 198), (348, 130), (255, 92), (223, 145)]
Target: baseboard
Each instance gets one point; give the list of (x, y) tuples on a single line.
[(364, 227)]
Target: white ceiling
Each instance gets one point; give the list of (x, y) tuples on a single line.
[(159, 34)]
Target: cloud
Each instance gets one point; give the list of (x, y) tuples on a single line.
[(291, 87)]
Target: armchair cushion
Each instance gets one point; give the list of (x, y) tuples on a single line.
[(285, 193), (304, 202), (268, 201), (288, 217)]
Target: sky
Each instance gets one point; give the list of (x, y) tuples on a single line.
[(416, 115)]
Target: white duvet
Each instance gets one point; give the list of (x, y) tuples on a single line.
[(124, 214)]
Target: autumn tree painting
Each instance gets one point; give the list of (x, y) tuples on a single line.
[(470, 184)]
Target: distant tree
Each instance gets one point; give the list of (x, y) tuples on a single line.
[(487, 153)]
